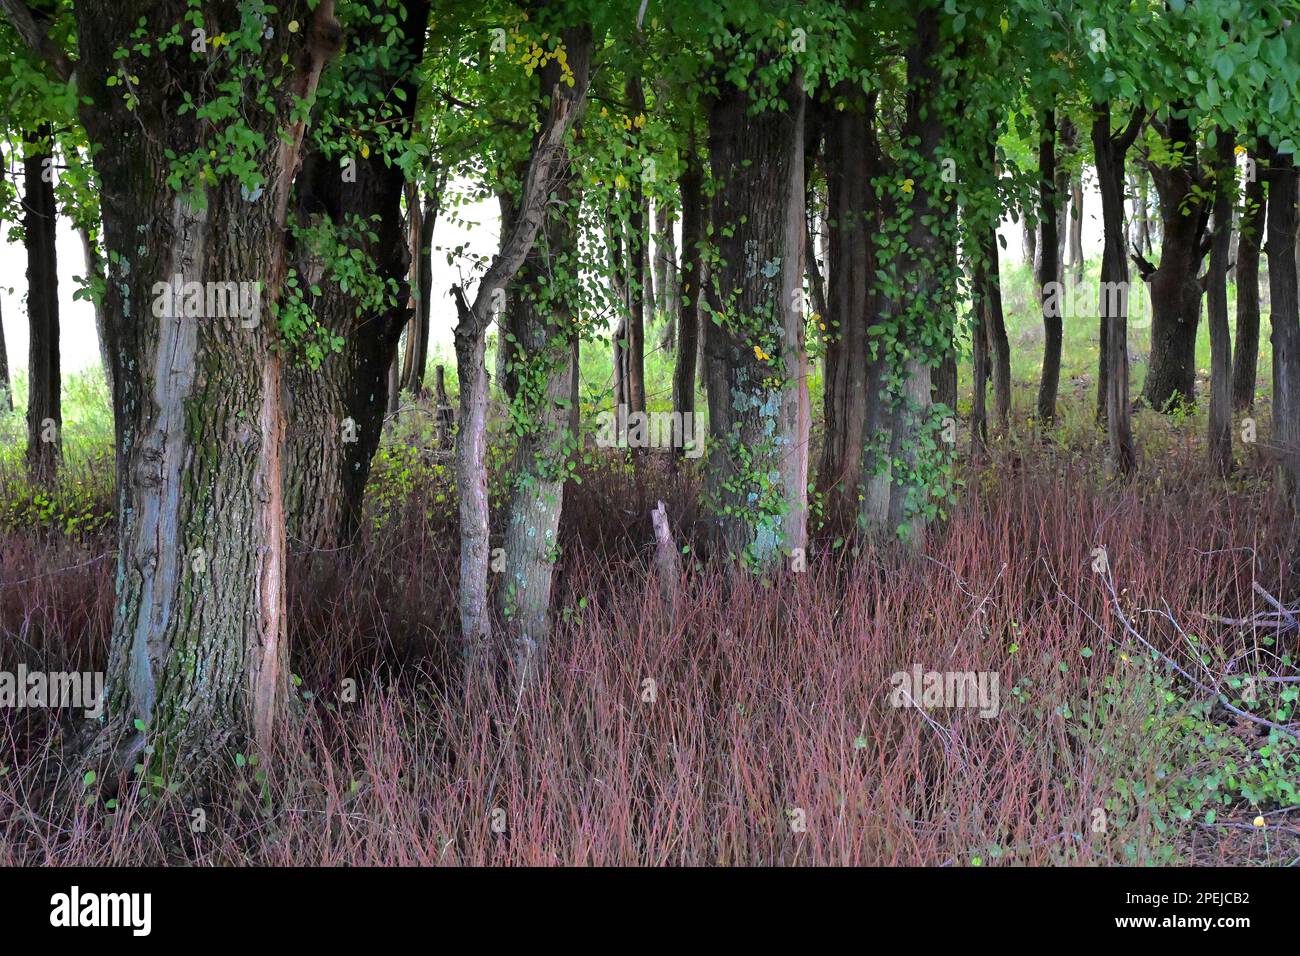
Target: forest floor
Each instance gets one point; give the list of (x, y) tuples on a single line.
[(745, 721)]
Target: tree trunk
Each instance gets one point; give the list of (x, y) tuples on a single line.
[(1049, 277), (548, 308), (898, 378), (1285, 318), (336, 411), (1076, 227), (95, 274), (1175, 287), (667, 298), (417, 331), (548, 155), (1250, 238), (694, 235), (758, 393), (850, 166), (1216, 301), (1110, 150), (636, 271), (198, 652), (44, 408), (6, 384)]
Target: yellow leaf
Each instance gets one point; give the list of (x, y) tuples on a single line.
[(293, 26), (365, 151), (1258, 821)]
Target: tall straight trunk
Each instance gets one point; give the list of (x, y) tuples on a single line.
[(758, 391), (636, 271), (95, 273), (547, 311), (667, 296), (198, 654), (481, 655), (1216, 302), (1048, 276), (850, 167), (1110, 150), (1285, 317), (898, 379), (993, 320), (1143, 201), (1175, 287), (1245, 357), (1029, 240), (621, 287), (44, 408), (416, 353), (424, 282), (6, 384), (1076, 227), (694, 235)]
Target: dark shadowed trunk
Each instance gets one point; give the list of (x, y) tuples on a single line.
[(336, 411), (667, 298), (1076, 227), (1110, 150), (1175, 285), (851, 163), (44, 408), (6, 384), (899, 385), (1285, 318), (1245, 357), (694, 235), (634, 356), (1048, 276), (1216, 307), (757, 367)]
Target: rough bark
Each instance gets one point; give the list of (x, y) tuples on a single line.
[(95, 272), (1048, 275), (1110, 150), (336, 411), (547, 308), (898, 386), (1285, 318), (1216, 302), (850, 167), (545, 170), (758, 393), (44, 407), (694, 235), (1245, 359), (1175, 285), (198, 652), (6, 384)]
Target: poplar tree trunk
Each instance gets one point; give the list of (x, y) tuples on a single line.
[(850, 148), (694, 235), (547, 311), (481, 655), (636, 271), (1175, 287), (898, 386), (1049, 276), (758, 403), (198, 652), (95, 270), (6, 385), (336, 412), (1110, 150), (1216, 302), (1285, 318), (1245, 358), (44, 408), (1076, 227)]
